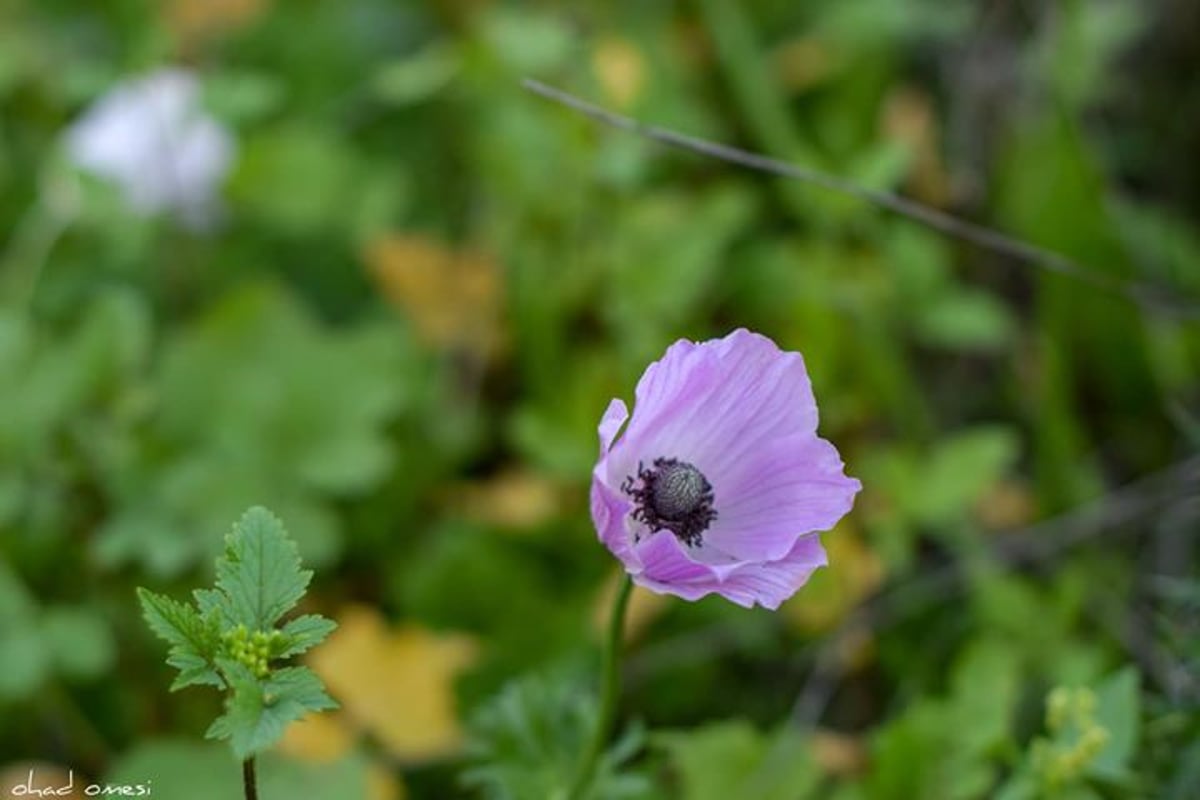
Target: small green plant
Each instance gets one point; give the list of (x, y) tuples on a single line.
[(1089, 747), (230, 638), (1076, 738)]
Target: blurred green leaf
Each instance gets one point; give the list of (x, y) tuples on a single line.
[(1079, 50), (27, 660), (950, 746), (732, 759), (243, 96), (966, 320), (299, 178), (1118, 710), (961, 468), (79, 640), (670, 257), (939, 488), (186, 770), (39, 643), (527, 42), (416, 77), (300, 416)]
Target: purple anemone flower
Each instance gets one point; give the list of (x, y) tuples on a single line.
[(719, 482)]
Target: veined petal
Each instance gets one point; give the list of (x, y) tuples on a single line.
[(667, 568), (714, 403), (769, 584), (610, 423), (787, 488), (610, 510), (667, 396)]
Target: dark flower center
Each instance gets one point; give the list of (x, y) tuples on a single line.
[(673, 496)]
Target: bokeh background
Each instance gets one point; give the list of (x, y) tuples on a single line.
[(368, 281)]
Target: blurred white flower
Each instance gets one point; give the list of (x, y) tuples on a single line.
[(151, 137)]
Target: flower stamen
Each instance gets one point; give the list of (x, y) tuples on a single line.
[(673, 496)]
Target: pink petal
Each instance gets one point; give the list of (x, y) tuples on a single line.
[(769, 584), (790, 487)]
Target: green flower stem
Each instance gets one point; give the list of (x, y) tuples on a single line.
[(608, 693), (249, 779)]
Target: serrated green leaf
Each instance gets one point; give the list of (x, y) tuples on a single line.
[(194, 638), (243, 706), (210, 601), (256, 713), (304, 633), (525, 742), (260, 572), (298, 688)]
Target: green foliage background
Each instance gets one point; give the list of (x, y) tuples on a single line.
[(158, 382)]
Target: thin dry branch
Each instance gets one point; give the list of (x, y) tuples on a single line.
[(1147, 296)]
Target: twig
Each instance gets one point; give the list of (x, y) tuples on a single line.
[(1144, 294)]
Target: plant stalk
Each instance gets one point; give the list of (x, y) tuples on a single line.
[(249, 779), (610, 678)]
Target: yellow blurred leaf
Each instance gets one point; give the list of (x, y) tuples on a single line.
[(855, 648), (692, 43), (325, 738), (621, 70), (513, 498), (854, 573), (909, 117), (397, 684), (196, 19), (319, 738), (453, 298), (382, 784), (1007, 504), (803, 63), (644, 607), (838, 753)]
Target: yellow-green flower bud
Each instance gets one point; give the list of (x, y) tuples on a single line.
[(1093, 741), (1085, 704), (1057, 707), (1073, 762)]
